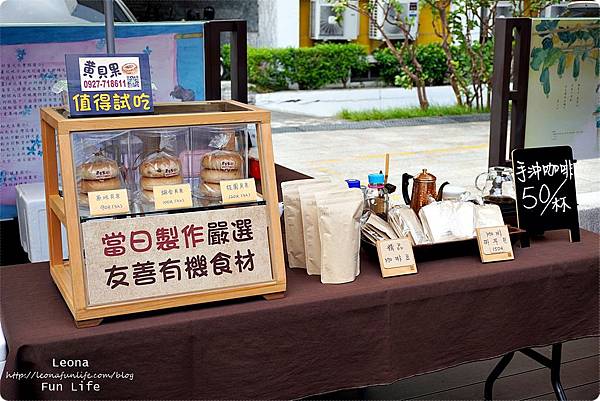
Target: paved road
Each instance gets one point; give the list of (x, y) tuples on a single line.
[(454, 152)]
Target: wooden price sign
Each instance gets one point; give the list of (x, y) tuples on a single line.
[(396, 257), (494, 244), (545, 189)]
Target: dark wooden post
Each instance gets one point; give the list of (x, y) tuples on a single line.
[(507, 31), (239, 64)]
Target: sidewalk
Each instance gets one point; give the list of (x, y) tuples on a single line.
[(454, 152), (329, 102), (287, 122)]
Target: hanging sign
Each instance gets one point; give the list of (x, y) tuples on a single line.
[(396, 257), (108, 84), (161, 255), (545, 187)]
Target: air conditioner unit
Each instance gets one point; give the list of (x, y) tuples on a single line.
[(409, 11), (504, 9), (325, 26), (554, 10)]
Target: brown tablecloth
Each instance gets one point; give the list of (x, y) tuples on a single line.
[(319, 338)]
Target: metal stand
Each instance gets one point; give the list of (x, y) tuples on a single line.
[(552, 364), (109, 26)]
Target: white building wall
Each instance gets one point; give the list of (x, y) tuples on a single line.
[(278, 23)]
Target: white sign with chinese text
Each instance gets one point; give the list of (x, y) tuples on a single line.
[(110, 73), (236, 191), (172, 196), (494, 244), (161, 255), (108, 202), (396, 257)]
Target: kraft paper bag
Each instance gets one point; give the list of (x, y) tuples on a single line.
[(292, 219), (310, 221), (339, 229)]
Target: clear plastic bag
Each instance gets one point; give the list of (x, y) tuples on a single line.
[(156, 169), (221, 164), (97, 173), (160, 164)]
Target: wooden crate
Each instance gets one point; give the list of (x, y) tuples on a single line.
[(68, 275)]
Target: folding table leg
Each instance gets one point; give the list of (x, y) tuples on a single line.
[(496, 372), (555, 372)]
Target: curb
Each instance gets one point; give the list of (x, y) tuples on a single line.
[(407, 122)]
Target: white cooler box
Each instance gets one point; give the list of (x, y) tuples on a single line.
[(33, 226)]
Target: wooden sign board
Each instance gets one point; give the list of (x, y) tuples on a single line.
[(396, 257), (160, 255), (494, 244), (545, 189)]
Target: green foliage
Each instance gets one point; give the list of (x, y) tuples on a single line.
[(482, 62), (430, 56), (408, 112), (309, 67)]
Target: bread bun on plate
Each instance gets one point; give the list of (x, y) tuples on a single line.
[(99, 169), (210, 189), (216, 176), (147, 183), (161, 166), (86, 186), (222, 160)]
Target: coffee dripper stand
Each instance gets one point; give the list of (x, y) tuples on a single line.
[(499, 189)]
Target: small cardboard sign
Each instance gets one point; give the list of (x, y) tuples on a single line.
[(236, 191), (396, 257), (494, 244), (172, 196), (108, 202)]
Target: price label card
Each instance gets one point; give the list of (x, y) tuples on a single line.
[(172, 196), (494, 244), (104, 203), (396, 257), (236, 191)]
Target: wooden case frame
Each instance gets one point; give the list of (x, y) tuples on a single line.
[(68, 275)]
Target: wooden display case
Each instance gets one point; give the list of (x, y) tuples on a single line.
[(71, 276)]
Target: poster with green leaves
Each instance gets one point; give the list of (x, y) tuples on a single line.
[(563, 97)]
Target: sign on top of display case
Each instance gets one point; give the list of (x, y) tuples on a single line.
[(545, 187), (108, 84)]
